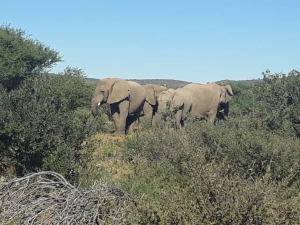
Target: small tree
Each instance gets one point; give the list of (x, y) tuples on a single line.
[(22, 57)]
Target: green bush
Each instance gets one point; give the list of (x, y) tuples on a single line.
[(278, 102), (233, 172), (43, 119), (178, 185), (243, 101), (22, 57), (159, 145), (40, 125), (250, 150)]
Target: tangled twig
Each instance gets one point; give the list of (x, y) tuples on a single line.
[(48, 198)]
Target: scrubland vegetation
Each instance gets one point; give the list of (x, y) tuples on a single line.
[(242, 170)]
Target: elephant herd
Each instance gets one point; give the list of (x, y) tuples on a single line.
[(129, 100)]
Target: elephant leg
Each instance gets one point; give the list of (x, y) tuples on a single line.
[(212, 117), (154, 120), (213, 113), (115, 115), (119, 114), (148, 111), (178, 118), (130, 123)]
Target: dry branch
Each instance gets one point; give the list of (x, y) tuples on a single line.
[(48, 198)]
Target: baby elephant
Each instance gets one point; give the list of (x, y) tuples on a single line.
[(177, 102)]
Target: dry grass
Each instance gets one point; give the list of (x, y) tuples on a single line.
[(108, 155)]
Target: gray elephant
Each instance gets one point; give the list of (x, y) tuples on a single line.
[(182, 104), (209, 99), (164, 103), (125, 98), (150, 106), (177, 102), (164, 99)]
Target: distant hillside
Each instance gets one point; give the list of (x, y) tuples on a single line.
[(177, 83), (169, 82), (92, 80), (244, 82)]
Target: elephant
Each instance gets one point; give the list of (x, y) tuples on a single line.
[(125, 98), (164, 99), (164, 102), (182, 104), (150, 106), (209, 99), (178, 102)]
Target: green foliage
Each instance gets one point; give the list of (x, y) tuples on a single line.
[(243, 101), (278, 102), (40, 129), (76, 91), (200, 176), (251, 151), (22, 57), (157, 145)]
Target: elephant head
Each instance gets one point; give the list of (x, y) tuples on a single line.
[(226, 96), (153, 90), (164, 99), (109, 90), (163, 104), (150, 106)]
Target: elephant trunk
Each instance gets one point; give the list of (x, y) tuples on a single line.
[(96, 101)]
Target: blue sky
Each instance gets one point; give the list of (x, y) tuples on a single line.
[(198, 41)]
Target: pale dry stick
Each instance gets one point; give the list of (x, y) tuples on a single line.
[(48, 198)]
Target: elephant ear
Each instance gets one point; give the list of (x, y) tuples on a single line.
[(229, 90), (177, 99), (150, 97), (119, 91), (229, 93)]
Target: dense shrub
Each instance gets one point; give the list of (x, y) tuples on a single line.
[(187, 183), (43, 119), (22, 57), (243, 101), (278, 102), (250, 150), (40, 129), (159, 145)]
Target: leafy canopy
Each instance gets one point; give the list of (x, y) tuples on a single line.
[(22, 57)]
